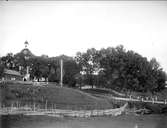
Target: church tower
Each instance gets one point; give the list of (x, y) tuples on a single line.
[(24, 57), (26, 44), (26, 52)]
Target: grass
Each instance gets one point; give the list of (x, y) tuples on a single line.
[(101, 91), (160, 95), (52, 95), (156, 108), (66, 98), (124, 121)]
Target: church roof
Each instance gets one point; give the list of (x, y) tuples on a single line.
[(27, 52)]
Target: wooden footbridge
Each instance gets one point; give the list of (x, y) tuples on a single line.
[(153, 100)]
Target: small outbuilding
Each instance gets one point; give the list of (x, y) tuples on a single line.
[(12, 75)]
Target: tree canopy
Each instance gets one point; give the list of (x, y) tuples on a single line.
[(121, 69), (112, 67)]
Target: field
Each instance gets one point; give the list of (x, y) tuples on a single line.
[(52, 95), (159, 107)]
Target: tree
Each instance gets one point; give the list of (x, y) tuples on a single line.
[(112, 61), (129, 70), (154, 64), (158, 76), (71, 68), (8, 61), (89, 63), (1, 70), (39, 68), (54, 74), (79, 79)]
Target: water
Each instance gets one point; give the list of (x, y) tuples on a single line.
[(125, 121)]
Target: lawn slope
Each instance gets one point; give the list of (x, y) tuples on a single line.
[(52, 96)]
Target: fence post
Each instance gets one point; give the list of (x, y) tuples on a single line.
[(46, 105), (130, 97), (52, 107), (34, 106), (147, 98), (17, 104), (12, 105), (153, 100)]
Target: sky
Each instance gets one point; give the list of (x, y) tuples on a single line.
[(66, 27)]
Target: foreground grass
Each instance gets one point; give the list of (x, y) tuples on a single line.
[(124, 121), (50, 95)]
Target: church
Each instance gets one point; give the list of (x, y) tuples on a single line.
[(25, 55), (23, 73)]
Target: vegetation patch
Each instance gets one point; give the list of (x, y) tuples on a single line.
[(53, 96)]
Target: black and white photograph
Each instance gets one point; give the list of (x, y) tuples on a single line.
[(83, 64)]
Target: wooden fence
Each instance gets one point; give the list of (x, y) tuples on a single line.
[(33, 110), (138, 99)]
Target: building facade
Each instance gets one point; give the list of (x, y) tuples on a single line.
[(12, 75)]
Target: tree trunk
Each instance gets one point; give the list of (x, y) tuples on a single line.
[(45, 79), (80, 86)]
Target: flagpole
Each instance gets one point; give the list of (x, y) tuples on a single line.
[(61, 68)]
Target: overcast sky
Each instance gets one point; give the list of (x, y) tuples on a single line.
[(55, 28)]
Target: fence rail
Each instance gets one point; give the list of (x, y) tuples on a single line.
[(60, 112), (153, 100)]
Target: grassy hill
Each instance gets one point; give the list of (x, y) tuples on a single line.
[(51, 95), (102, 91)]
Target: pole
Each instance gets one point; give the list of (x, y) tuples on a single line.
[(46, 104), (61, 79), (34, 106)]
